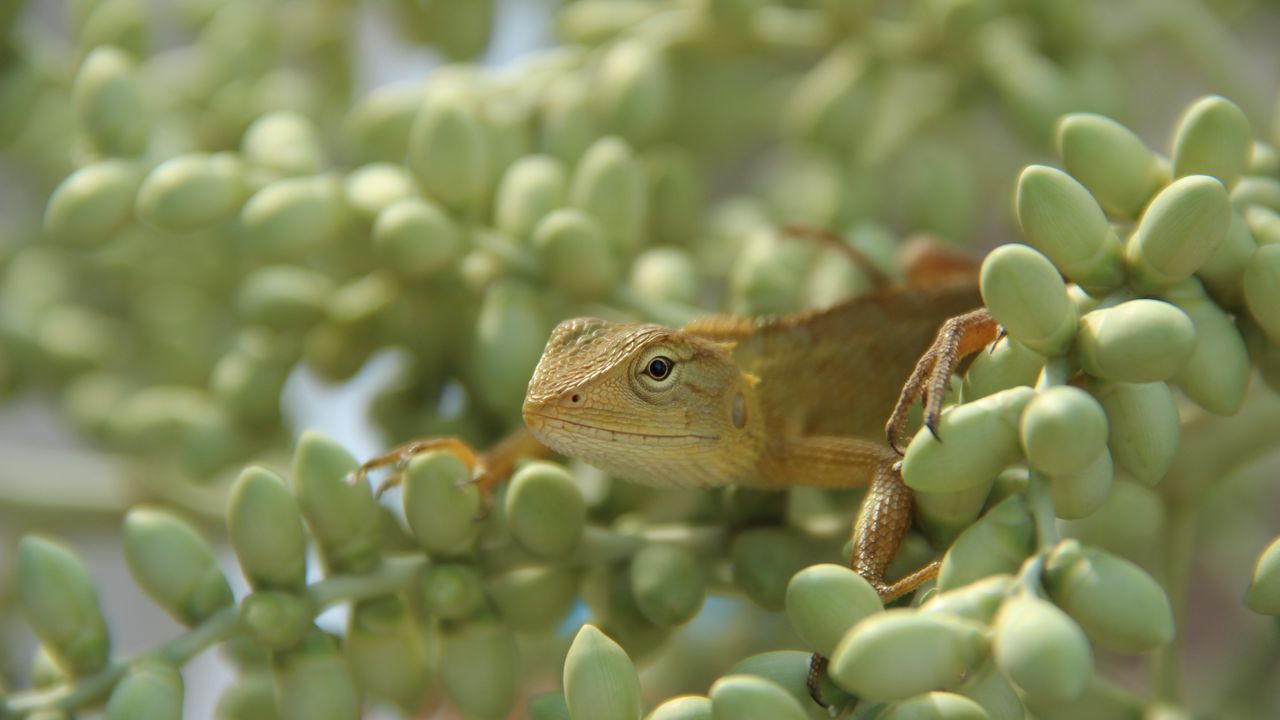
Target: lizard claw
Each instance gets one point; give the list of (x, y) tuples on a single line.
[(817, 666), (958, 337), (932, 424), (387, 483)]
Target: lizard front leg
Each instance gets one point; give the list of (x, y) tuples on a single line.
[(488, 469), (960, 336)]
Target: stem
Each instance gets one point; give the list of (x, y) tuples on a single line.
[(393, 575), (1056, 372), (1040, 499), (1030, 577), (1179, 542)]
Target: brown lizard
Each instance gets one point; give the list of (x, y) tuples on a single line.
[(770, 403)]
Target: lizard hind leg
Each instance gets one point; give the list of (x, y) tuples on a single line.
[(878, 532)]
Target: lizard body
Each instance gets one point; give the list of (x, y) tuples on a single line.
[(765, 402)]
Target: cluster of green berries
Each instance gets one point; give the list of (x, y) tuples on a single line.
[(229, 218)]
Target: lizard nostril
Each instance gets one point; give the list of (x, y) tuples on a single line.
[(575, 398)]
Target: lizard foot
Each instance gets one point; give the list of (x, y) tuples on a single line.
[(958, 337), (398, 459)]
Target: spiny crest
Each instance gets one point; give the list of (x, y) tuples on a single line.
[(585, 348)]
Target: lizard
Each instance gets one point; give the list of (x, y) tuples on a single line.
[(765, 402)]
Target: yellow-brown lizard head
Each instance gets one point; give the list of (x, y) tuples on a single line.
[(644, 402)]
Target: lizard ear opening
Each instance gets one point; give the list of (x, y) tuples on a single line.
[(739, 411)]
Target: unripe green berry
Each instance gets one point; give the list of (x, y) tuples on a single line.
[(990, 689), (452, 591), (599, 680), (291, 216), (1179, 231), (1117, 604), (608, 184), (59, 603), (576, 254), (1264, 590), (764, 559), (935, 706), (1143, 427), (385, 652), (824, 601), (789, 670), (1256, 190), (684, 707), (1223, 271), (668, 583), (1063, 430), (108, 103), (996, 543), (1217, 374), (283, 297), (981, 439), (1061, 219), (977, 600), (266, 531), (174, 565), (510, 333), (568, 125), (480, 674), (667, 273), (378, 127), (632, 89), (417, 238), (1082, 493), (534, 598), (312, 681), (532, 187), (747, 697), (1027, 296), (276, 620), (92, 204), (940, 651), (449, 150), (1212, 138), (440, 502), (150, 689), (1041, 649), (284, 144), (1007, 364), (371, 188), (1139, 341), (549, 706), (1261, 281), (342, 515), (1106, 157), (190, 192), (545, 510), (1263, 224)]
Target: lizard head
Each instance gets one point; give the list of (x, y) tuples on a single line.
[(643, 402)]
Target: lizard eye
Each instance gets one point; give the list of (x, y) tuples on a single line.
[(659, 368)]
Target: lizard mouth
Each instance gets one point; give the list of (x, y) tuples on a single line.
[(540, 421)]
